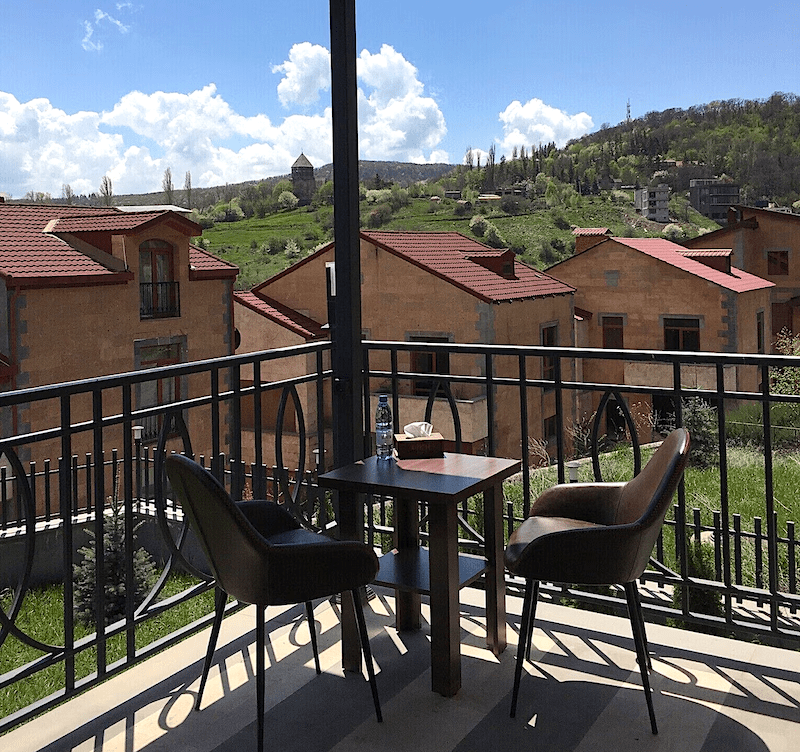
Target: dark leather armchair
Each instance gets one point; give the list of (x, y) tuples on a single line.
[(259, 554), (597, 534)]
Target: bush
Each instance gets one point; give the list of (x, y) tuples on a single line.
[(380, 215), (673, 232), (700, 564), (287, 200), (477, 225), (493, 237)]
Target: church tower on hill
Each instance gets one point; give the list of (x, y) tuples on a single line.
[(303, 184)]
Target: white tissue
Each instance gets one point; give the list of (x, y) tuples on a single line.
[(418, 429)]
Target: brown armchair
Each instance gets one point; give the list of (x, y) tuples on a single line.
[(259, 554), (597, 534)]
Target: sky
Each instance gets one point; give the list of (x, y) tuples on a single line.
[(236, 90)]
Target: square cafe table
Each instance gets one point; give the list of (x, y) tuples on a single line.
[(438, 571)]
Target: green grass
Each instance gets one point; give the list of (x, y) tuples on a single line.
[(42, 617)]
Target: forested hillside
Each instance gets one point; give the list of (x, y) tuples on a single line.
[(754, 143)]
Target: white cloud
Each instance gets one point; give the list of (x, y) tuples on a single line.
[(306, 73), (101, 17), (535, 122), (43, 147)]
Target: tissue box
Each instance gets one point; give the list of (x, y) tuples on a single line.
[(419, 447)]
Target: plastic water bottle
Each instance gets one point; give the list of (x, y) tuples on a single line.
[(384, 438)]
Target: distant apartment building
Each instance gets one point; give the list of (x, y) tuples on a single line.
[(426, 287), (765, 242), (653, 202), (712, 197)]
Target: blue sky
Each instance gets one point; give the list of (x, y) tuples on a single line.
[(234, 91)]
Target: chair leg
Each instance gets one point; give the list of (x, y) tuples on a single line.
[(640, 618), (640, 641), (260, 671), (220, 598), (525, 636), (313, 629), (365, 649)]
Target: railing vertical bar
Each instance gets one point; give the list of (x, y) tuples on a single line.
[(524, 431), (769, 491), (258, 481), (216, 469), (559, 420), (128, 462), (99, 526), (65, 502), (235, 433), (724, 525), (491, 448)]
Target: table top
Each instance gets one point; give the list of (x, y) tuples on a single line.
[(454, 476)]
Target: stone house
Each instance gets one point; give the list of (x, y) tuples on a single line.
[(764, 242), (652, 294), (87, 292), (432, 287)]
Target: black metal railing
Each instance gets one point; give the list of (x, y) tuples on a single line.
[(159, 300), (496, 399)]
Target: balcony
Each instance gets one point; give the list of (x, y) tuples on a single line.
[(584, 663), (159, 300)]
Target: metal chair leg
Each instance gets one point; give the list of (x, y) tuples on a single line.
[(313, 629), (640, 641), (525, 636), (220, 598), (640, 616), (366, 650), (260, 672)]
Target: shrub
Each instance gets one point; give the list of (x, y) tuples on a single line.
[(477, 225), (673, 232), (380, 215), (493, 237), (700, 564), (287, 200)]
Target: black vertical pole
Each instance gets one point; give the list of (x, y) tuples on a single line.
[(347, 359)]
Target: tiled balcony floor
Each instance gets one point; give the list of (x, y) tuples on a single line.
[(583, 693)]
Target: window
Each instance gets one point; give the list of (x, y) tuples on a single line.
[(612, 332), (778, 263), (428, 362), (549, 339), (760, 332), (682, 334), (158, 391), (550, 426), (158, 291)]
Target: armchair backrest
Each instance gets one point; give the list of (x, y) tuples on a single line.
[(645, 499), (237, 554)]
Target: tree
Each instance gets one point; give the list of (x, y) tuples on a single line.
[(187, 187), (106, 190), (167, 187), (67, 193)]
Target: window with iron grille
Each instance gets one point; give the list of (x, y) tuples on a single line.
[(159, 295)]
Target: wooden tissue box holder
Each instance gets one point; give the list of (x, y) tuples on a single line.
[(419, 447)]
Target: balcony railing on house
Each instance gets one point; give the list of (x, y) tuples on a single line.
[(159, 300), (72, 451)]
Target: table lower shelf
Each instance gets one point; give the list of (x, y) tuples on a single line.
[(410, 570)]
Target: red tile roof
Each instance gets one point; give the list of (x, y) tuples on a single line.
[(673, 254), (281, 314), (591, 231), (29, 255), (204, 265), (33, 254), (447, 255)]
